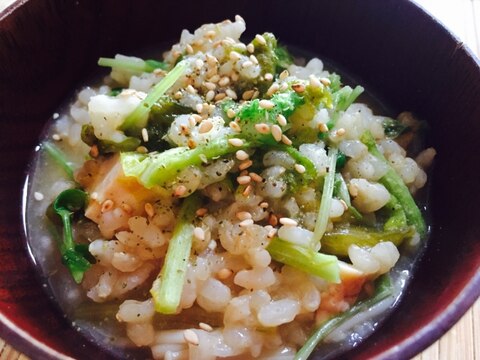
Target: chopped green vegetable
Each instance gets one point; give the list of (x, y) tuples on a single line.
[(310, 170), (395, 185), (383, 290), (338, 241), (160, 168), (344, 97), (397, 218), (107, 146), (133, 64), (341, 160), (393, 128), (115, 91), (271, 57), (138, 117), (326, 201), (57, 155), (73, 257), (305, 259), (167, 288), (340, 190)]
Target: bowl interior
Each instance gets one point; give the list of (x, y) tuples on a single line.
[(399, 52)]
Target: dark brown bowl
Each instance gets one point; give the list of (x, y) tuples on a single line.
[(393, 47)]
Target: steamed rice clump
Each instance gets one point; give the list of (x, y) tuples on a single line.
[(236, 300)]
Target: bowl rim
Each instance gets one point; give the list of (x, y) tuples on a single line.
[(22, 340)]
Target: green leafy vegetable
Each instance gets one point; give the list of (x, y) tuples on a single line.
[(107, 146), (167, 288), (326, 201), (345, 97), (133, 64), (73, 256), (160, 168), (271, 57), (338, 241), (305, 259), (395, 185), (397, 218), (115, 91), (393, 128), (59, 157), (140, 114), (383, 290)]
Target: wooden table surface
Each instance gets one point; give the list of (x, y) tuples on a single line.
[(462, 342)]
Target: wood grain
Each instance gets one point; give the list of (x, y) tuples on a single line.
[(463, 340)]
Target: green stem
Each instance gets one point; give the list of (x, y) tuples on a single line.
[(326, 201), (141, 111), (305, 259), (167, 288), (56, 154)]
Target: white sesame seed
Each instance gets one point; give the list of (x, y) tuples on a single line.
[(235, 142), (214, 78), (224, 273), (191, 337), (287, 221), (209, 85), (250, 48), (286, 140), (247, 190), (189, 49), (255, 94), (244, 180), (145, 135), (284, 74), (211, 60), (283, 87), (264, 205), (325, 81), (241, 155), (277, 132), (38, 196), (191, 121), (196, 117), (266, 104), (323, 127), (245, 165), (254, 59), (234, 126), (341, 132), (247, 95), (299, 88), (241, 46), (220, 96), (94, 195), (260, 39), (344, 204), (314, 82), (141, 150), (205, 327), (232, 94), (255, 177), (56, 137), (56, 116), (299, 168), (149, 209), (198, 233), (212, 245), (268, 77), (273, 89), (262, 128), (178, 95), (210, 95), (247, 222), (199, 108), (224, 81), (247, 64), (205, 126), (281, 120), (234, 56), (190, 89), (243, 215), (231, 113)]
